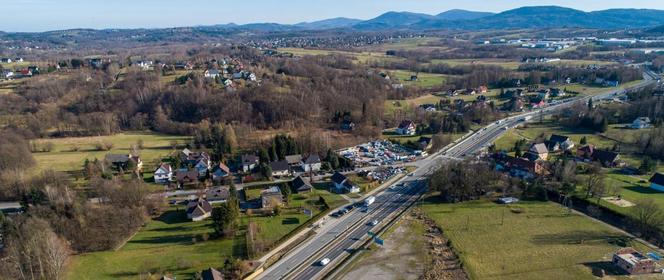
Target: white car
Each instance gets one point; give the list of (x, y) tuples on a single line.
[(324, 262), (373, 223)]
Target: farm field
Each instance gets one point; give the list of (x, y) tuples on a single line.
[(392, 105), (507, 64), (544, 241), (359, 57), (424, 80), (70, 153)]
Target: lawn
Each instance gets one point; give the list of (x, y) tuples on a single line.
[(424, 80), (164, 245), (542, 242), (631, 188), (410, 104), (64, 157)]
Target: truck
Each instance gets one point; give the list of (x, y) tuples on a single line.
[(369, 201)]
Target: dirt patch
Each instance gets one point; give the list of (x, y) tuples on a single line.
[(444, 263), (416, 249), (618, 201), (400, 258)]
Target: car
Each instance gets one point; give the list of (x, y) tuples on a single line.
[(373, 223), (410, 174), (324, 262)]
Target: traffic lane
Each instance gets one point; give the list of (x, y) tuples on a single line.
[(355, 236), (284, 266)]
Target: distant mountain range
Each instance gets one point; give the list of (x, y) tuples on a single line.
[(524, 17)]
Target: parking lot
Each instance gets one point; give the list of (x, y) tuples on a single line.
[(377, 153)]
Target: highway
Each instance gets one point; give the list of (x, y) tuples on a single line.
[(337, 236)]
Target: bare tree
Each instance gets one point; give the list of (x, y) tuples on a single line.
[(649, 217)]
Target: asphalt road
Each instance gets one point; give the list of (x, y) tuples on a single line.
[(335, 238)]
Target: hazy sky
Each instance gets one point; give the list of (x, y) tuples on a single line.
[(41, 15)]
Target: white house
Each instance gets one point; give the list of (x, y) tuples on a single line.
[(144, 64), (212, 73), (163, 174), (406, 127), (342, 184), (642, 122), (280, 168), (312, 163), (657, 182), (249, 162), (202, 166), (198, 210)]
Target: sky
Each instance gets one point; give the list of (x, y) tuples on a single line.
[(44, 15)]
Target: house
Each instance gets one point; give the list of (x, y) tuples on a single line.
[(186, 177), (633, 262), (211, 274), (312, 163), (218, 194), (198, 210), (203, 166), (192, 158), (657, 182), (424, 143), (347, 125), (6, 60), (342, 184), (642, 122), (606, 158), (300, 186), (184, 66), (543, 94), (280, 168), (271, 197), (220, 171), (7, 74), (482, 89), (294, 160), (144, 64), (212, 73), (428, 107), (163, 174), (552, 146), (538, 151), (610, 83), (585, 152), (469, 91), (406, 127), (248, 163), (523, 168), (122, 161), (556, 92), (564, 142)]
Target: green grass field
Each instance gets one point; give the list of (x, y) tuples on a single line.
[(64, 158), (424, 80), (164, 245), (542, 242)]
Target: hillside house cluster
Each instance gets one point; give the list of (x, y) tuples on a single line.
[(195, 166), (294, 164)]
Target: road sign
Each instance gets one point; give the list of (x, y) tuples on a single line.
[(371, 234), (379, 241)]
